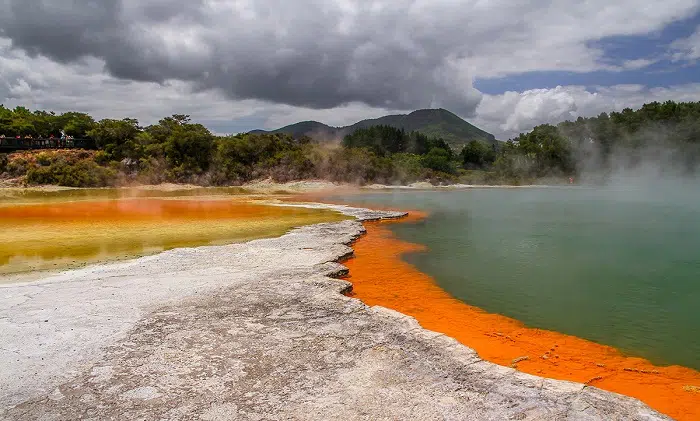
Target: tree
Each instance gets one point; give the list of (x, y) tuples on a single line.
[(113, 135), (407, 167), (22, 122), (438, 159), (76, 124), (188, 149), (477, 155), (382, 140), (358, 165)]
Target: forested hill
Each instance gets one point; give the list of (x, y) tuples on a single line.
[(313, 129), (431, 122)]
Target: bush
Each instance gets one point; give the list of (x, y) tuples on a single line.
[(438, 159), (358, 165), (102, 157), (292, 165), (43, 159), (240, 158), (480, 177), (188, 150), (82, 174), (17, 167), (477, 154), (152, 171), (407, 168)]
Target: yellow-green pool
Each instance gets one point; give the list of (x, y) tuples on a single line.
[(58, 230)]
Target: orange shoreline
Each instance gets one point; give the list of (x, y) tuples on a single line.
[(380, 277)]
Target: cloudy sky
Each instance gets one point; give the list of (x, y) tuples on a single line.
[(237, 65)]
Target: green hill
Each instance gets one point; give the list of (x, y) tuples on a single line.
[(306, 128), (432, 122)]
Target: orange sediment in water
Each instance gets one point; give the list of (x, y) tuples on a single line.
[(380, 277), (69, 234)]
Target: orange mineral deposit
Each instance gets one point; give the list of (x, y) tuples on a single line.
[(380, 277), (54, 236)]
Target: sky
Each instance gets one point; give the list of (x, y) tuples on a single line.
[(238, 65)]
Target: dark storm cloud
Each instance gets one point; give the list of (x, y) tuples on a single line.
[(317, 54), (393, 54), (62, 30)]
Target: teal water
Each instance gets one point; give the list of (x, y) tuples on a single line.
[(616, 266)]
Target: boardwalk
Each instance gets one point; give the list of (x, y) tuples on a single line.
[(11, 144)]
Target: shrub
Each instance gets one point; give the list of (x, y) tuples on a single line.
[(291, 165), (357, 165), (102, 157), (407, 168), (17, 167), (439, 160), (477, 154), (3, 162), (152, 171), (82, 174), (43, 158)]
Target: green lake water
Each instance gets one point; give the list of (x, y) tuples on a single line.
[(618, 266)]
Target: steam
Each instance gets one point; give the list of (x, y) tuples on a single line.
[(646, 159)]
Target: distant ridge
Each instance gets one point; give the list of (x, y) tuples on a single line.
[(432, 122), (306, 128)]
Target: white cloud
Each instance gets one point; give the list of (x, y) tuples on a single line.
[(638, 63), (687, 48), (336, 61), (508, 114), (516, 111)]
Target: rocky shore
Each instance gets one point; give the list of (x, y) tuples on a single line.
[(258, 330)]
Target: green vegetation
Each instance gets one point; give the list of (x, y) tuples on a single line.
[(666, 135), (438, 123), (407, 156), (71, 168), (312, 129), (23, 122), (177, 150)]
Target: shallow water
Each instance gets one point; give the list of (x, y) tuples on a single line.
[(49, 231), (14, 196), (617, 266)]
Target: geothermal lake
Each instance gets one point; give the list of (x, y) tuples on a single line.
[(64, 229), (618, 266)]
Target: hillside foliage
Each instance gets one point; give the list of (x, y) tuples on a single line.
[(664, 135), (178, 150)]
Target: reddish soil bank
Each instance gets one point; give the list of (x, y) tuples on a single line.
[(380, 277)]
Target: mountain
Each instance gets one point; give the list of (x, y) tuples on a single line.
[(432, 122), (312, 129)]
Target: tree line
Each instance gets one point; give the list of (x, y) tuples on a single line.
[(177, 150), (666, 135)]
